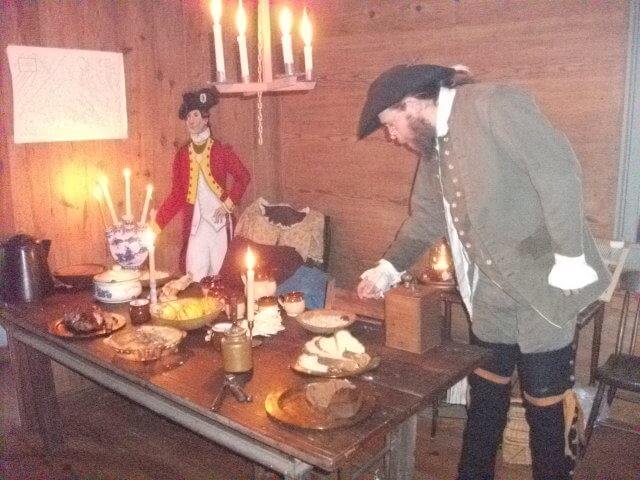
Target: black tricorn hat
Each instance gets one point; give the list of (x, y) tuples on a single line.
[(201, 100), (393, 85)]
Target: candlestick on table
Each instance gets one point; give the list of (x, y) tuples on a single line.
[(306, 31), (145, 208), (104, 184), (127, 193), (286, 20), (241, 23), (149, 240), (250, 261), (216, 13)]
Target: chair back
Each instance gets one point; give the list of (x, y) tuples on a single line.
[(630, 283)]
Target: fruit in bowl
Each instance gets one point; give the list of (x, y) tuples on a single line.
[(187, 313)]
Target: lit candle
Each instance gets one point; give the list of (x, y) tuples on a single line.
[(286, 20), (145, 208), (98, 194), (216, 13), (442, 263), (127, 193), (149, 238), (241, 23), (104, 184), (306, 31), (250, 261)]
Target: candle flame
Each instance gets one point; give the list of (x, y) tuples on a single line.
[(149, 188), (306, 29), (286, 21), (149, 238), (103, 181), (241, 19), (250, 259), (216, 10), (441, 261), (127, 172)]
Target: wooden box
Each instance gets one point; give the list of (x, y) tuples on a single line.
[(413, 318)]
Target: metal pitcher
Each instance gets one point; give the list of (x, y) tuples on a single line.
[(24, 271)]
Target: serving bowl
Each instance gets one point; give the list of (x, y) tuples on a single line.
[(325, 321), (186, 313)]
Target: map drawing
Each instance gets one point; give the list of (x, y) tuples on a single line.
[(66, 94)]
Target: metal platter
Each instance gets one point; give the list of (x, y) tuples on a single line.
[(334, 372), (290, 407), (57, 327)]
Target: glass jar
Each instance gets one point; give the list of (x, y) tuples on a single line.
[(236, 351)]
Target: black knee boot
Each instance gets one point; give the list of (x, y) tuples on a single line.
[(546, 437), (486, 419)]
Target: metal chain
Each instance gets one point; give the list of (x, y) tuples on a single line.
[(259, 113)]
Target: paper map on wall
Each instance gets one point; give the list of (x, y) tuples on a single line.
[(64, 94)]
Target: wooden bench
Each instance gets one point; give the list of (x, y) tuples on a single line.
[(612, 454)]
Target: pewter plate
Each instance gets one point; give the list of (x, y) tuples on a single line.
[(57, 327), (290, 407)]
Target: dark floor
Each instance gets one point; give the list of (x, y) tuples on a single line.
[(108, 437)]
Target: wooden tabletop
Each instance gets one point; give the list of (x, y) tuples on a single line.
[(403, 384)]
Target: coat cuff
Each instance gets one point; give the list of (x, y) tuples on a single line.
[(571, 273)]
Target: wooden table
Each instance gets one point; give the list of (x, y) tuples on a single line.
[(404, 384)]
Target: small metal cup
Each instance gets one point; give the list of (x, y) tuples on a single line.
[(139, 311)]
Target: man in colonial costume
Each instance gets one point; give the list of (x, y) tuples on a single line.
[(504, 186), (200, 188)]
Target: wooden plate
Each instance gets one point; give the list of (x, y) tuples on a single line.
[(79, 276), (57, 327), (290, 407), (337, 373)]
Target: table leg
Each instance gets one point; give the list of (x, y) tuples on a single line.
[(595, 345), (37, 402), (402, 450)]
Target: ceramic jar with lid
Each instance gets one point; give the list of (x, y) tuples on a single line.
[(236, 350), (117, 285)]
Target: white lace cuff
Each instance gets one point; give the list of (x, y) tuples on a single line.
[(383, 276), (571, 273)]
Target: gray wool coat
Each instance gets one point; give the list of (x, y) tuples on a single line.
[(518, 194)]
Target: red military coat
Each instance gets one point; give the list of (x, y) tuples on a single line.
[(224, 163)]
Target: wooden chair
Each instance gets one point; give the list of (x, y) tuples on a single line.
[(622, 368)]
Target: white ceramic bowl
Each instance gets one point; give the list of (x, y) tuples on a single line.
[(117, 285)]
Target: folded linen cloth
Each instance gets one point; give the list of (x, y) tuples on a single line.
[(265, 323)]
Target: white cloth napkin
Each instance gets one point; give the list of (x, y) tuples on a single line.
[(265, 324)]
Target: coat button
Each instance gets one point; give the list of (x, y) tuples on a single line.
[(572, 378), (458, 194), (454, 180), (461, 233), (450, 166), (467, 245), (454, 205), (446, 152), (446, 138), (489, 262), (456, 219)]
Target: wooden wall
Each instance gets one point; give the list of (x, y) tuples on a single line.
[(46, 187), (570, 54)]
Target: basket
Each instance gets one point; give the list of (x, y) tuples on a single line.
[(515, 440)]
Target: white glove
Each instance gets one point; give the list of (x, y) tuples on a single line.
[(571, 273), (382, 277)]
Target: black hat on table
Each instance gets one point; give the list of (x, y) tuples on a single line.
[(393, 85), (201, 100)]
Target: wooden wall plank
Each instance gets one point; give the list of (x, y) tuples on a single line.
[(570, 55)]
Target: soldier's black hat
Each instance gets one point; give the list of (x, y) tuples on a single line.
[(201, 100), (396, 83)]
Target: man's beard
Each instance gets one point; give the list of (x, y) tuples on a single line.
[(424, 137)]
